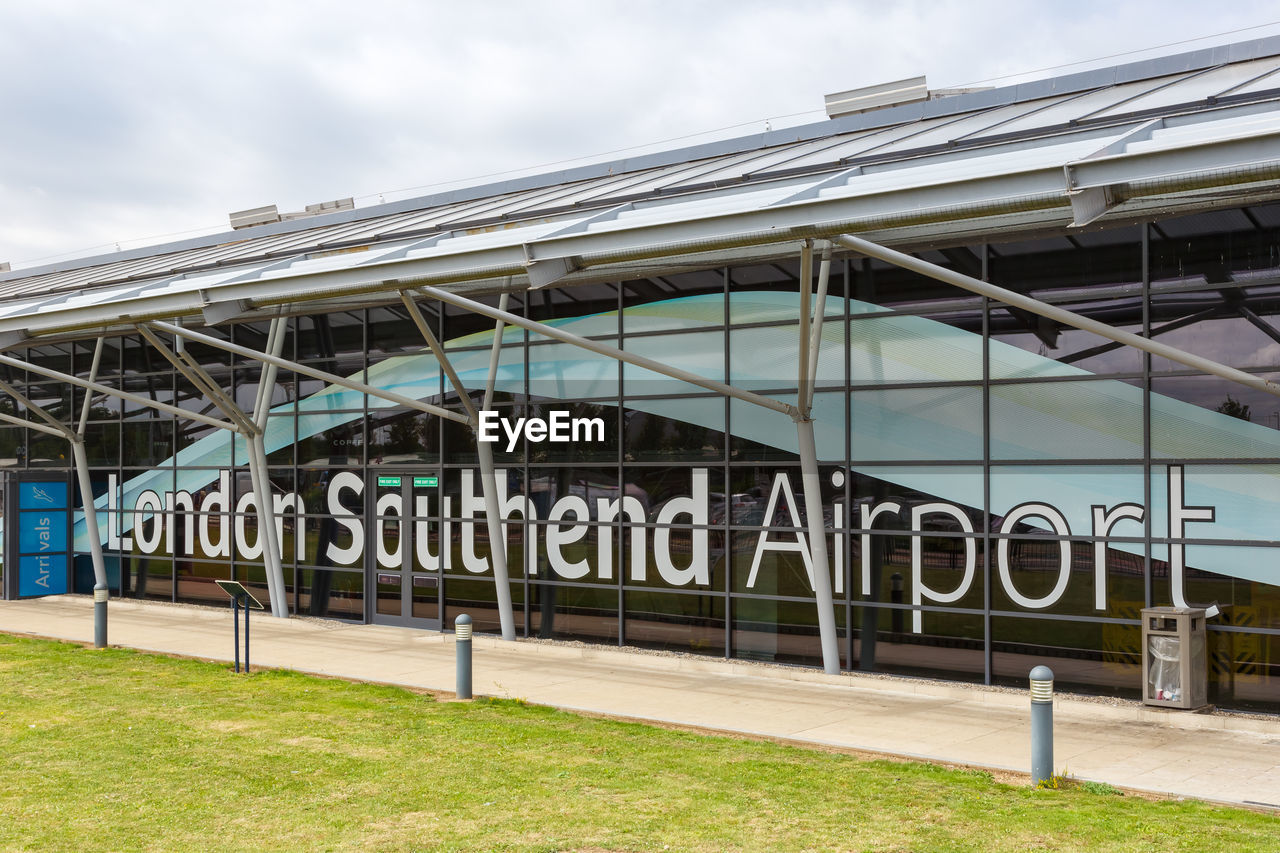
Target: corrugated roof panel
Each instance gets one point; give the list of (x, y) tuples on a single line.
[(774, 159), (50, 281), (392, 226), (974, 125), (288, 243), (1262, 84), (87, 276), (365, 229), (1071, 109), (1004, 159), (727, 169), (623, 185), (856, 145), (1195, 87), (1021, 111), (546, 199), (1230, 77), (467, 211)]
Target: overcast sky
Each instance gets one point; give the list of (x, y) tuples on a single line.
[(138, 122)]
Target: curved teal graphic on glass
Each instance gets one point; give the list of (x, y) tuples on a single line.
[(1100, 414)]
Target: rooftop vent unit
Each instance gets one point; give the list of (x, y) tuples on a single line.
[(4, 266), (266, 215), (254, 216), (877, 97), (322, 207)]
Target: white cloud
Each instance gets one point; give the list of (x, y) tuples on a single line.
[(126, 121)]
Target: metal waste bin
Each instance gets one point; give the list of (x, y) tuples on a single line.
[(1175, 669)]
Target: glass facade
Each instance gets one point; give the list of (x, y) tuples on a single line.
[(998, 490)]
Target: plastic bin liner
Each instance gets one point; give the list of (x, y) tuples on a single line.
[(1164, 679)]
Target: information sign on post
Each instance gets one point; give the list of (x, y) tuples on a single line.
[(240, 596)]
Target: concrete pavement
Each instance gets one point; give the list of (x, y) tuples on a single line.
[(1221, 757)]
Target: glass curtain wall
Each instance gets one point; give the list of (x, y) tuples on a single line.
[(998, 490)]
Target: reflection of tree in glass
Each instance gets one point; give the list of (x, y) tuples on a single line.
[(407, 435), (1235, 409)]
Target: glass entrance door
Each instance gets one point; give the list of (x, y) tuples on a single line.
[(406, 548)]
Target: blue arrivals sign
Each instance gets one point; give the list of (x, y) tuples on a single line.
[(39, 514)]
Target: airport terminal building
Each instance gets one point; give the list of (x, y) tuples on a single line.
[(949, 384)]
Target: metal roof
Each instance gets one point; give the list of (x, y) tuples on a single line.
[(1184, 132)]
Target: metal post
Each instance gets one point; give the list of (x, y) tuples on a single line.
[(810, 339), (101, 590), (246, 634), (235, 620), (258, 472), (818, 547), (803, 397), (462, 644), (1041, 725), (493, 513)]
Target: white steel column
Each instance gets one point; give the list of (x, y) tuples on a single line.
[(258, 472), (101, 590), (484, 453), (489, 484), (81, 460), (809, 347)]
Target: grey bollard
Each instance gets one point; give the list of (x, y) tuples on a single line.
[(462, 640), (100, 595), (1041, 724)]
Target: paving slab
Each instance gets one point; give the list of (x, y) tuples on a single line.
[(1215, 756)]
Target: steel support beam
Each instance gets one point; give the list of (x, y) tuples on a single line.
[(609, 351), (805, 318), (56, 427), (197, 376), (810, 340), (415, 314), (101, 590), (253, 427), (112, 392), (44, 428), (260, 475), (80, 458), (323, 376), (484, 454), (1068, 318), (489, 485), (818, 546)]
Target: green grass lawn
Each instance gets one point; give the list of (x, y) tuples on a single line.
[(118, 750)]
